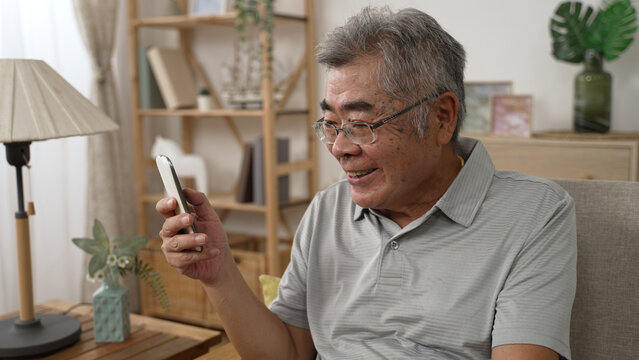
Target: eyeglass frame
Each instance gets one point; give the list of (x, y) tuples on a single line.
[(372, 126)]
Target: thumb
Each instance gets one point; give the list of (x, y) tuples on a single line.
[(200, 204)]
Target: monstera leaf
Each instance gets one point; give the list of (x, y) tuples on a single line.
[(575, 29), (613, 29), (568, 30)]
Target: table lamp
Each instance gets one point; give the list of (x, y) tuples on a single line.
[(36, 103)]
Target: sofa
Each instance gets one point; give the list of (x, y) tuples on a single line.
[(605, 314)]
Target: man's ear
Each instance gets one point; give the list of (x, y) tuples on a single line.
[(445, 108)]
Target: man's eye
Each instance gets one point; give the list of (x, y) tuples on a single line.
[(359, 125)]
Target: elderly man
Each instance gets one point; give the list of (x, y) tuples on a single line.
[(425, 250)]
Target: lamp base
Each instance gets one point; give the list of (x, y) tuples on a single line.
[(44, 335)]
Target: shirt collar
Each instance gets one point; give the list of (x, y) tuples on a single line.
[(465, 195), (358, 213)]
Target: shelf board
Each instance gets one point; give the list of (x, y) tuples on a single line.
[(217, 112), (280, 169), (227, 201), (568, 135), (291, 167), (201, 113), (292, 112), (189, 22), (561, 135)]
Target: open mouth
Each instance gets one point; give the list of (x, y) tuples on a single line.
[(357, 174)]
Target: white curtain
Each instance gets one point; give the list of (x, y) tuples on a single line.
[(46, 30), (110, 183)]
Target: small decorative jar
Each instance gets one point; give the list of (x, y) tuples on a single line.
[(593, 88), (111, 321)]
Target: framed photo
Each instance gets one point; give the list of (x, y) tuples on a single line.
[(208, 7), (478, 104), (511, 114)]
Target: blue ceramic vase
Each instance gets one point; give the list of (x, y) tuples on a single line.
[(111, 321)]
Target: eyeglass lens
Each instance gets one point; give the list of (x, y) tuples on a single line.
[(357, 132)]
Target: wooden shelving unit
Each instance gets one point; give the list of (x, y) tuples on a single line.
[(270, 256)]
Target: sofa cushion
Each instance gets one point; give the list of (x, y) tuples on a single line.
[(605, 315)]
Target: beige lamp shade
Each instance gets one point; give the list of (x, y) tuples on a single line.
[(36, 103)]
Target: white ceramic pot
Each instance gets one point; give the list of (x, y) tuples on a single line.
[(204, 102)]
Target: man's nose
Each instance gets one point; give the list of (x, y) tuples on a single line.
[(343, 146)]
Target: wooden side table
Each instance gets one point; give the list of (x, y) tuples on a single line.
[(150, 338)]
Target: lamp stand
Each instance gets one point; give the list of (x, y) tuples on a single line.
[(29, 335)]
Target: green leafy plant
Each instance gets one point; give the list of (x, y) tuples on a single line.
[(116, 257), (609, 31), (204, 91), (248, 16)]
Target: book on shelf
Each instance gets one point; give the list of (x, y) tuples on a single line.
[(208, 7), (174, 77), (148, 92), (282, 155), (244, 192)]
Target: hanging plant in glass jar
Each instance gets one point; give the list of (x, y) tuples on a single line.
[(588, 37)]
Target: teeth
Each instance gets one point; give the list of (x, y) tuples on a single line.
[(358, 173)]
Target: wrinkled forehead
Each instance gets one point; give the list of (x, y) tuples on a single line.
[(352, 87)]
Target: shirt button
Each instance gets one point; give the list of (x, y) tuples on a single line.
[(394, 245)]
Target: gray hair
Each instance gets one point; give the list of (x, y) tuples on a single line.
[(417, 57)]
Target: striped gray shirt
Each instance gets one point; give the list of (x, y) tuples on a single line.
[(492, 263)]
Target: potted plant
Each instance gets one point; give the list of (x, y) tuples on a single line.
[(112, 259), (589, 37), (204, 101)]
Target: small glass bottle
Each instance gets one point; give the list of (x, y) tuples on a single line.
[(593, 88)]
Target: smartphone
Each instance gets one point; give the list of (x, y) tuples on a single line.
[(174, 189)]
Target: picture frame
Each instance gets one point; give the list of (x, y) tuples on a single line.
[(478, 94), (208, 7), (511, 114)]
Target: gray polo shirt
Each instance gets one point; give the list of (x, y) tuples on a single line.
[(492, 263)]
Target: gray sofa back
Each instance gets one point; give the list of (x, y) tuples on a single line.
[(605, 315)]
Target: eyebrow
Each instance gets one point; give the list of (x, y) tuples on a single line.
[(355, 105), (325, 106)]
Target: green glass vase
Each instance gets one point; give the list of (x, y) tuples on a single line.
[(593, 87), (111, 321)]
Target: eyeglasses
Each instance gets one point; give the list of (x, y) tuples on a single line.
[(358, 132)]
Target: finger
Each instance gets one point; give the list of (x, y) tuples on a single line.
[(166, 207), (181, 261), (183, 243), (174, 224), (201, 205)]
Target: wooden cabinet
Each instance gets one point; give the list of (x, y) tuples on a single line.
[(557, 155), (255, 255)]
